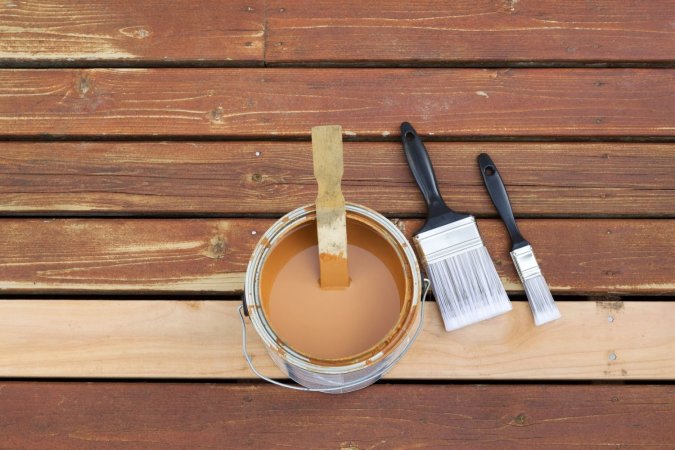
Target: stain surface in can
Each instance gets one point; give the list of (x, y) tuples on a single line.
[(332, 324)]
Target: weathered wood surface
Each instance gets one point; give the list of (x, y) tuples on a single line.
[(208, 32), (134, 256), (169, 338), (152, 415), (124, 32), (210, 255), (202, 339), (543, 179), (469, 32), (369, 103)]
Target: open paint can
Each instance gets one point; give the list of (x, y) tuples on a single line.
[(333, 341)]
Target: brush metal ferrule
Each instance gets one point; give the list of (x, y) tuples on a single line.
[(448, 240), (525, 262)]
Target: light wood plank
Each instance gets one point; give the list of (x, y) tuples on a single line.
[(210, 255), (369, 103), (202, 339), (543, 179), (124, 32), (387, 32)]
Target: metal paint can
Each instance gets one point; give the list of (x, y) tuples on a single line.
[(349, 374)]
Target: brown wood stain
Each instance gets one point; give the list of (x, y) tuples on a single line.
[(328, 323)]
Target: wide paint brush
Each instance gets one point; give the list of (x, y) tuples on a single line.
[(463, 276)]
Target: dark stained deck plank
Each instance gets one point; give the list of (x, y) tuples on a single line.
[(368, 103), (497, 32), (633, 256), (543, 179), (124, 32), (149, 415)]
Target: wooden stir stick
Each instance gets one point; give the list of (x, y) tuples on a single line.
[(331, 221)]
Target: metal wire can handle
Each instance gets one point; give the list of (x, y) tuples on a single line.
[(372, 376)]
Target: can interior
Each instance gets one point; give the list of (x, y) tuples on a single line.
[(376, 324)]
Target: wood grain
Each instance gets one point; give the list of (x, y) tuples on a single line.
[(126, 255), (172, 338), (331, 216), (202, 339), (543, 179), (469, 32), (167, 415), (368, 103), (124, 32), (210, 255)]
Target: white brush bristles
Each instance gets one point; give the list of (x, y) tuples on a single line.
[(541, 301), (467, 288), (538, 294)]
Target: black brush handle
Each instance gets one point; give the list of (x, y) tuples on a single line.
[(438, 213), (500, 198)]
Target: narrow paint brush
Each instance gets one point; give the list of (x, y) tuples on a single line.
[(538, 294), (464, 279)]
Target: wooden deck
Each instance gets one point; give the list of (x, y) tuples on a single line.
[(144, 147)]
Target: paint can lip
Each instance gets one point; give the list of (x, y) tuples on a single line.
[(394, 338)]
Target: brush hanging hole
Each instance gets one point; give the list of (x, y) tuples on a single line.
[(489, 171), (409, 136)]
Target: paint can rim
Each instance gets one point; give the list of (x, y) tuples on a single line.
[(392, 341)]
